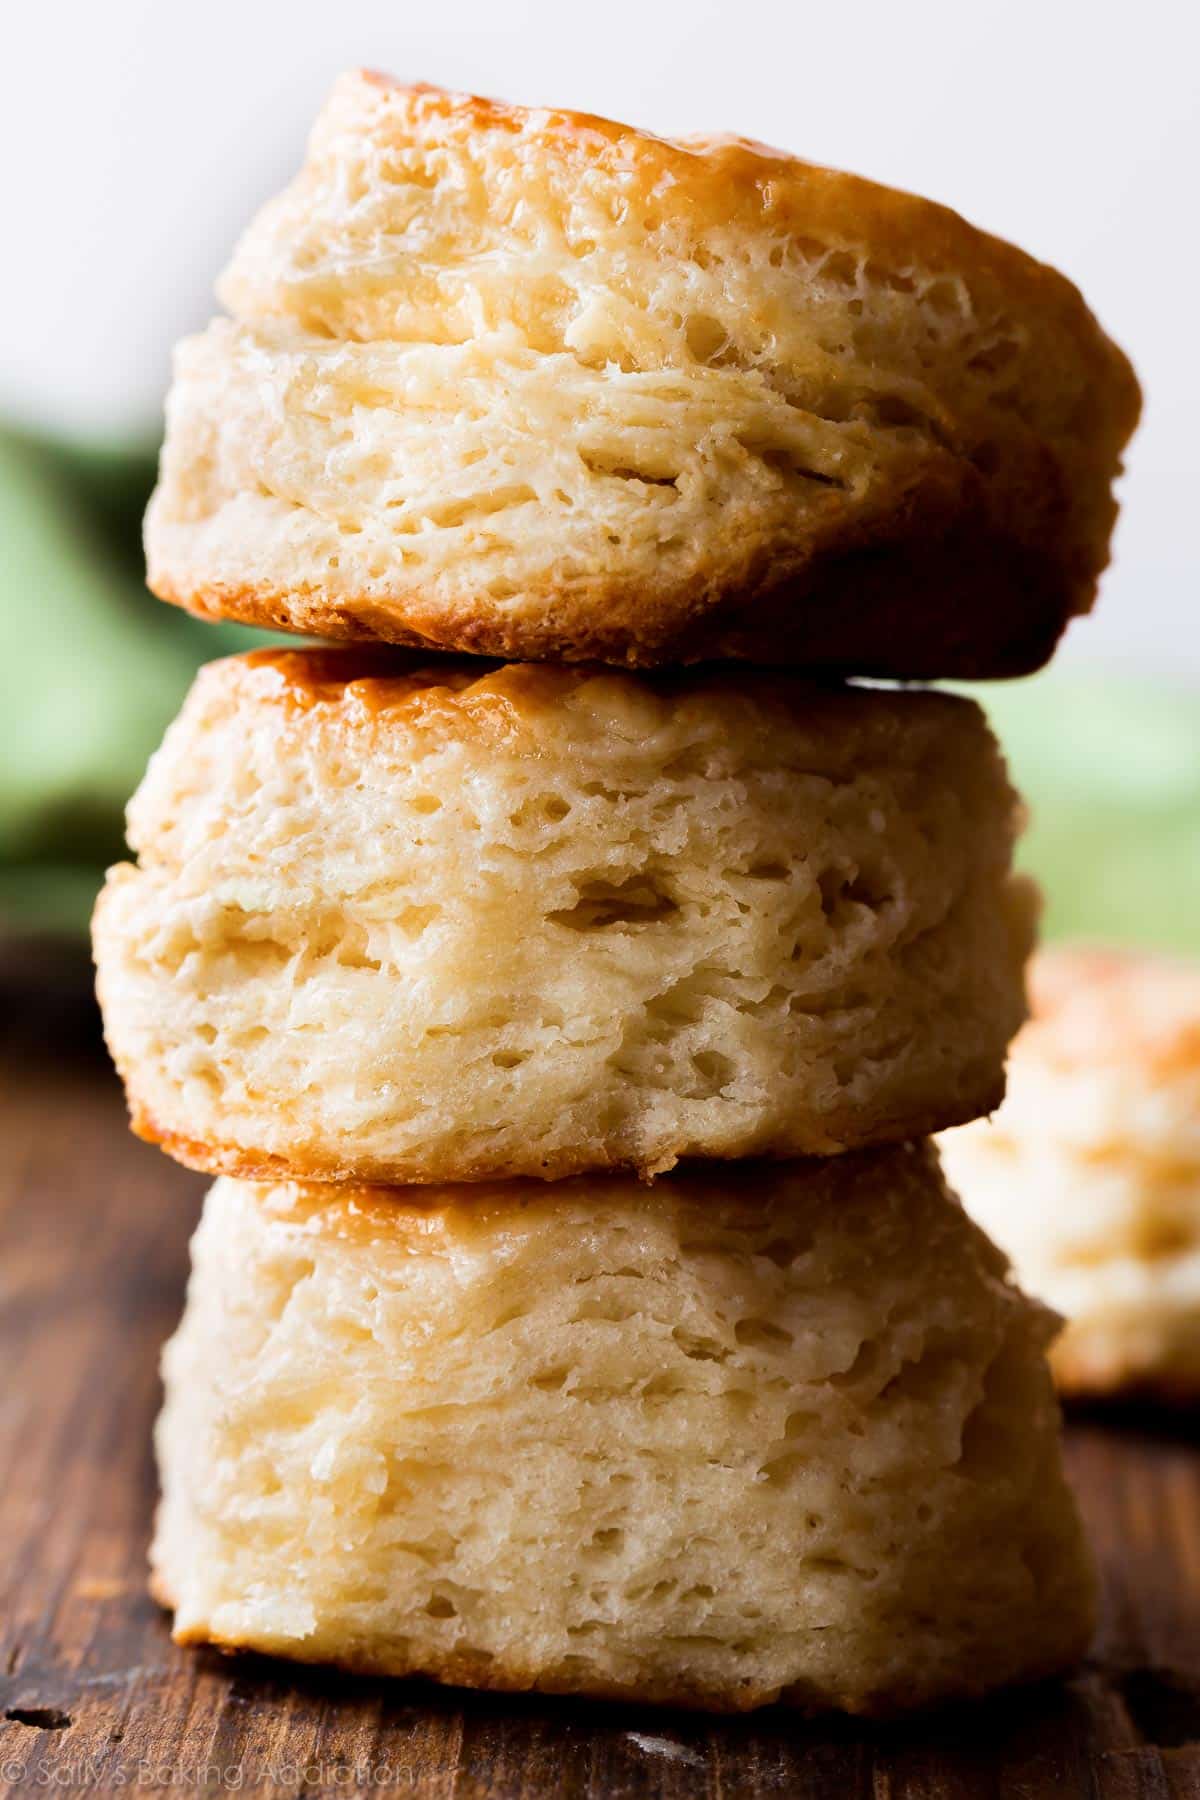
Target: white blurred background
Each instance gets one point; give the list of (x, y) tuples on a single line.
[(137, 136)]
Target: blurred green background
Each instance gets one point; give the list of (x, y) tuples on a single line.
[(95, 669)]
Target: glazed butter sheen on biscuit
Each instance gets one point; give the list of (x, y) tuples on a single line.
[(1089, 1175), (404, 923), (773, 1432), (533, 384)]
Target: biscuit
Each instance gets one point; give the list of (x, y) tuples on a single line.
[(1089, 1176), (401, 922), (536, 385), (784, 1432)]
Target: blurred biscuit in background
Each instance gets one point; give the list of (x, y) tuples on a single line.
[(768, 1432), (401, 921), (1089, 1175), (533, 384)]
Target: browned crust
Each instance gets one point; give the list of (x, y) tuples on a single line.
[(722, 179), (945, 601), (845, 1132), (365, 1212), (369, 679), (462, 1669)]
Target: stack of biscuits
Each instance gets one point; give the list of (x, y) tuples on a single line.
[(563, 972)]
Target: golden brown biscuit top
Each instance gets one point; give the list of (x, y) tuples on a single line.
[(361, 682), (716, 178), (424, 215), (448, 1213), (1097, 1006), (373, 677)]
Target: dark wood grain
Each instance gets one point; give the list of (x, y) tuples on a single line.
[(94, 1696)]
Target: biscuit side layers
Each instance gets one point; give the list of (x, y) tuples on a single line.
[(416, 923), (1089, 1175), (782, 1433), (536, 385)]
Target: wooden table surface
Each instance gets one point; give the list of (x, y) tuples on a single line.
[(95, 1697)]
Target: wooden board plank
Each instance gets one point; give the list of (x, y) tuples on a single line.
[(93, 1695)]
